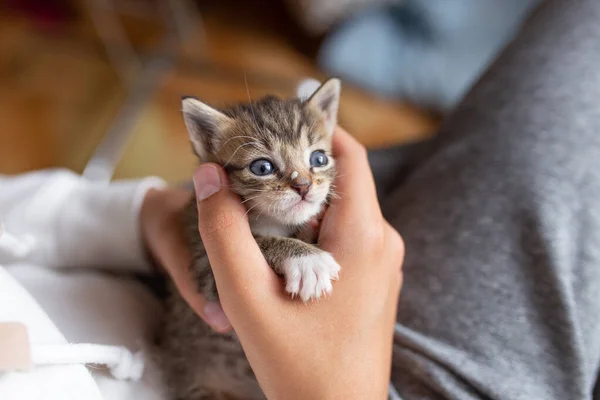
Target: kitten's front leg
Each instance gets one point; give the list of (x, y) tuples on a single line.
[(308, 270)]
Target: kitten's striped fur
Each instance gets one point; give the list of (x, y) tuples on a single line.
[(201, 364)]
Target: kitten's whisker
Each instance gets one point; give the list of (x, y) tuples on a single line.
[(239, 147), (254, 206), (260, 213), (269, 208), (237, 137), (246, 213), (256, 154), (251, 198), (333, 188), (250, 100), (261, 191)]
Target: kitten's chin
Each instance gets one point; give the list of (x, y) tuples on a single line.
[(289, 209), (301, 212), (297, 214)]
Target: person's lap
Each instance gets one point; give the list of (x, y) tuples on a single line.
[(502, 226)]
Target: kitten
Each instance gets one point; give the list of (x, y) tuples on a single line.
[(277, 154)]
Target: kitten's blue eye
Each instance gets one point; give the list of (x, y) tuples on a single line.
[(262, 167), (318, 159)]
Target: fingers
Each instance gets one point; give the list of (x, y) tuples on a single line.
[(210, 312), (162, 232), (357, 207), (354, 181), (236, 260)]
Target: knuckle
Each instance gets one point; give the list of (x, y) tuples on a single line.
[(398, 243), (397, 259), (373, 238), (397, 281), (396, 246)]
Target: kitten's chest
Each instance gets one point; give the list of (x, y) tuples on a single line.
[(267, 227)]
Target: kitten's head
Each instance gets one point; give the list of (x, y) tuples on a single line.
[(277, 152)]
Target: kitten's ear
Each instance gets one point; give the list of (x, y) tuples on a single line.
[(326, 100), (205, 126)]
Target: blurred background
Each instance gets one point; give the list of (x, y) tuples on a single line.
[(95, 85)]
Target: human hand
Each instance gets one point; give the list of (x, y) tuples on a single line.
[(338, 347), (162, 233)]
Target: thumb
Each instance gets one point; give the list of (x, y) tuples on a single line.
[(238, 265)]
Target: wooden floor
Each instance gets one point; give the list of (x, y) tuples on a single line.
[(58, 94)]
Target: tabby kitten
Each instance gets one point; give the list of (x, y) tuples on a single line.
[(277, 154)]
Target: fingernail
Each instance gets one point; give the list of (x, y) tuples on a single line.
[(215, 316), (206, 181)]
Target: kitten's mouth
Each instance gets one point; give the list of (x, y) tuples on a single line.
[(297, 210), (301, 203)]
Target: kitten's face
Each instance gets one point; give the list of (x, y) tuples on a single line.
[(277, 152), (283, 175)]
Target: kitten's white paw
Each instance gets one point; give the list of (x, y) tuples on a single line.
[(310, 276)]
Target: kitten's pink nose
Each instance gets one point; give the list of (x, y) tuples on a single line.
[(302, 186)]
